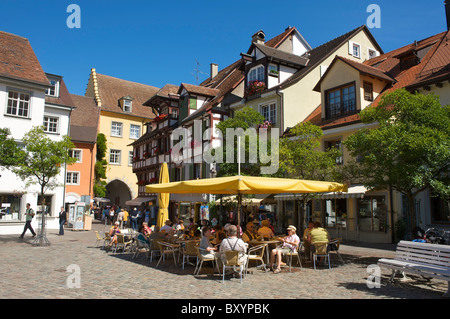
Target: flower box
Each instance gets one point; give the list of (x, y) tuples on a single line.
[(255, 87)]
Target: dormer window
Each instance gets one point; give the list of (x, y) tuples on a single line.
[(256, 74), (273, 70), (53, 90), (126, 103)]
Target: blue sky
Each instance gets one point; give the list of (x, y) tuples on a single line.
[(158, 42)]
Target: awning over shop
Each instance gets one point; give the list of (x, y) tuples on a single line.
[(138, 201), (356, 191)]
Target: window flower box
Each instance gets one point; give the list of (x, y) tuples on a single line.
[(160, 118), (255, 87)]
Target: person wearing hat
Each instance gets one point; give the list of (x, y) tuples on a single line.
[(113, 233), (265, 231), (290, 244)]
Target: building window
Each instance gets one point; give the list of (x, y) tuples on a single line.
[(116, 129), (269, 112), (175, 113), (51, 124), (273, 70), (18, 104), (368, 91), (372, 53), (440, 209), (256, 74), (53, 90), (356, 50), (135, 131), (337, 144), (371, 213), (114, 157), (73, 178), (340, 101), (76, 154), (130, 158), (127, 104)]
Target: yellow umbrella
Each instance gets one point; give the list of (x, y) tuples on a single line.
[(239, 185), (163, 198)]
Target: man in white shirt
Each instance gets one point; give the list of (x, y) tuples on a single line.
[(167, 228), (234, 243)]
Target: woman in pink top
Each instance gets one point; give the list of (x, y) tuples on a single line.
[(290, 244)]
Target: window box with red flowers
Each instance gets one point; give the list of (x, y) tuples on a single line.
[(141, 183), (157, 151), (153, 180), (136, 158), (255, 87), (160, 118), (147, 154)]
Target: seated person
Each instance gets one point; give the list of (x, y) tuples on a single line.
[(318, 234), (249, 233), (145, 229), (113, 233), (206, 248), (265, 231), (235, 244), (167, 228), (290, 244), (305, 238)]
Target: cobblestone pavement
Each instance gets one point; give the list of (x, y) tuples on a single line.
[(42, 272)]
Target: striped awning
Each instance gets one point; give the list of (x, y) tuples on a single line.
[(356, 191)]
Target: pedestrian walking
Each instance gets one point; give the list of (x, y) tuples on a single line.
[(62, 220), (111, 214), (134, 219), (29, 213)]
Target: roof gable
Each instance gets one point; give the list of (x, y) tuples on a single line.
[(18, 60)]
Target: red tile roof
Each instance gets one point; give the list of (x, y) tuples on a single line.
[(111, 90), (84, 119), (18, 60), (434, 66)]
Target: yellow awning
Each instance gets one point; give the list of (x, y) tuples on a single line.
[(246, 185)]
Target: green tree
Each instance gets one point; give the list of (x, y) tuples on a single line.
[(244, 119), (409, 150), (10, 153), (301, 158), (42, 159), (100, 167)]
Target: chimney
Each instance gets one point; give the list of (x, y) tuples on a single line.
[(259, 37), (214, 69), (447, 13)]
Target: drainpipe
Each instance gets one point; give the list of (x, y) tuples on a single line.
[(280, 93)]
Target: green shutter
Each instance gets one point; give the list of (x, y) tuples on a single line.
[(193, 103), (191, 171)]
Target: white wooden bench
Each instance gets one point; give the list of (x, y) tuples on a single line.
[(430, 260)]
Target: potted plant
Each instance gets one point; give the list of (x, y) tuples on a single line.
[(255, 87)]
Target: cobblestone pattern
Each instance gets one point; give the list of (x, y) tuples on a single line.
[(41, 272)]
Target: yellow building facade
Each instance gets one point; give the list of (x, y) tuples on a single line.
[(122, 118)]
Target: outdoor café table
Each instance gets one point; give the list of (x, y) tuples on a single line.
[(266, 243)]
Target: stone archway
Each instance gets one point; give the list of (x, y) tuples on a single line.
[(118, 193)]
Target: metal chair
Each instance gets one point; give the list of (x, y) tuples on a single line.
[(121, 243), (256, 256), (290, 255), (141, 244), (201, 258), (107, 239), (99, 238), (189, 251), (334, 246), (154, 248), (321, 250), (167, 249), (233, 260)]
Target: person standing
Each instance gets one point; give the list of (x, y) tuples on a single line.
[(29, 214), (62, 220)]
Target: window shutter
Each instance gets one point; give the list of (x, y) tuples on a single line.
[(350, 47), (193, 103)]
